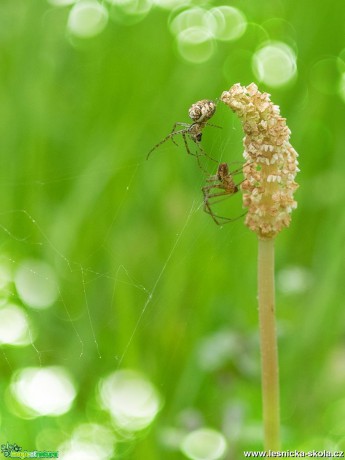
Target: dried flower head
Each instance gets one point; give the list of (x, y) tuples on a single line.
[(271, 161)]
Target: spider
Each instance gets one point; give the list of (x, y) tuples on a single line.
[(221, 184), (200, 113)]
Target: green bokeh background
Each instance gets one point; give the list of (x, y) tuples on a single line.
[(144, 274)]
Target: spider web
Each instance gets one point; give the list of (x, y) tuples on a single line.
[(82, 325)]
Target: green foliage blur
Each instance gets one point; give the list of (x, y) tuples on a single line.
[(147, 280)]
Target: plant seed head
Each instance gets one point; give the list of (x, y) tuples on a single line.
[(271, 162)]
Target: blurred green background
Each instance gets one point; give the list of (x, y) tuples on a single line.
[(136, 276)]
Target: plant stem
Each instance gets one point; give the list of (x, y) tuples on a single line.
[(268, 345)]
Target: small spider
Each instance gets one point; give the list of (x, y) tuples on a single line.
[(221, 184), (200, 113)]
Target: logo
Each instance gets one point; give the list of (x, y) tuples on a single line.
[(15, 451)]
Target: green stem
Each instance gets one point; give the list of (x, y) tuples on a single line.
[(268, 345)]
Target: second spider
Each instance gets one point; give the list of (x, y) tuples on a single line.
[(220, 186)]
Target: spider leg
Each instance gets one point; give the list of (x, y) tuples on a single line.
[(219, 220), (178, 123), (226, 191), (209, 211), (186, 145), (206, 188), (213, 126), (195, 134), (191, 153), (224, 196), (238, 170), (207, 196), (207, 205), (169, 136), (202, 152), (209, 201), (213, 178)]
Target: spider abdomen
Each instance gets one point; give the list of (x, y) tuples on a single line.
[(202, 111)]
